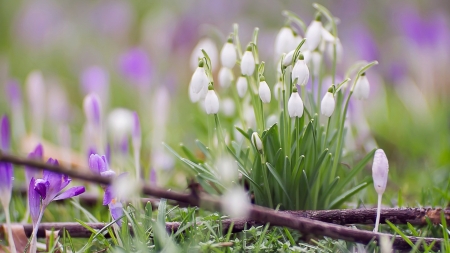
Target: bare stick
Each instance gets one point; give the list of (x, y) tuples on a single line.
[(257, 213)]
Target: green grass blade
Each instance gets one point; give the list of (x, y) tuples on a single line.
[(278, 179), (346, 195)]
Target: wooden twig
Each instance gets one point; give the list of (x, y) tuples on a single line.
[(257, 213)]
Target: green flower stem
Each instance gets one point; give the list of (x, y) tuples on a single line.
[(236, 40), (33, 246), (326, 133), (10, 234), (266, 180)]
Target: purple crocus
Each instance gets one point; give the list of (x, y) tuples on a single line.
[(99, 165), (136, 67), (37, 154)]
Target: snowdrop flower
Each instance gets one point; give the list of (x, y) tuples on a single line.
[(284, 42), (236, 203), (248, 62), (277, 89), (287, 61), (339, 50), (327, 36), (211, 101), (314, 33), (227, 169), (195, 97), (380, 169), (362, 89), (228, 107), (264, 90), (241, 86), (210, 48), (316, 59), (199, 78), (295, 104), (225, 77), (300, 72), (228, 54), (256, 141), (328, 104)]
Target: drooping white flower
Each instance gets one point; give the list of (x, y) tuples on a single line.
[(199, 78), (241, 86), (328, 104), (236, 203), (225, 77), (287, 60), (380, 169), (248, 62), (227, 169), (339, 50), (228, 107), (195, 97), (211, 102), (362, 89), (295, 104), (327, 36), (300, 72), (314, 34), (264, 91), (256, 141), (210, 48), (284, 42), (316, 59), (228, 55)]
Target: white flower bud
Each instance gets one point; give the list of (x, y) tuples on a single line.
[(316, 59), (256, 141), (284, 42), (228, 55), (225, 77), (380, 169), (264, 91), (295, 105), (227, 169), (300, 72), (362, 88), (248, 63), (236, 203), (328, 104), (210, 48), (241, 86), (120, 123), (199, 79), (211, 102), (287, 60), (314, 34), (327, 36), (339, 50), (228, 107)]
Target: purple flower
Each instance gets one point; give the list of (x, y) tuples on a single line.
[(92, 109), (6, 169), (14, 93), (136, 67), (37, 154)]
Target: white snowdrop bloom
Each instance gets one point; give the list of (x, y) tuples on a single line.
[(271, 120), (125, 187), (362, 88), (211, 102), (249, 116), (236, 203), (300, 72), (307, 56), (199, 79), (256, 141), (295, 105), (195, 97), (327, 36), (227, 169), (225, 77), (264, 91), (316, 59), (120, 123), (380, 169), (287, 60), (339, 50), (228, 107), (314, 34), (328, 104), (248, 63), (284, 42), (228, 55), (210, 48), (241, 86)]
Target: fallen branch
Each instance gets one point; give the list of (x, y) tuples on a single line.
[(257, 213)]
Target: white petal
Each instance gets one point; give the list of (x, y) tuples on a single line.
[(328, 104), (295, 105), (247, 63), (199, 80), (362, 88), (314, 35), (241, 86), (195, 97), (264, 92), (327, 36), (236, 203), (339, 50), (287, 60), (210, 48), (256, 141), (316, 59), (284, 41), (300, 72), (228, 55), (380, 169), (225, 77), (211, 102)]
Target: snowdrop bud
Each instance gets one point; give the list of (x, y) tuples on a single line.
[(256, 141), (295, 104), (248, 62), (211, 101), (328, 104), (227, 168), (314, 33), (300, 72), (284, 42), (264, 90), (380, 169), (199, 78), (228, 54), (241, 86), (362, 88), (225, 77), (236, 203), (339, 50), (125, 187), (120, 123), (210, 48), (316, 58), (92, 109), (287, 61), (228, 107)]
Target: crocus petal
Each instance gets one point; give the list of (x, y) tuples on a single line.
[(5, 134), (54, 179), (6, 177), (65, 181), (72, 192), (116, 210), (41, 186), (34, 201), (97, 164), (108, 197)]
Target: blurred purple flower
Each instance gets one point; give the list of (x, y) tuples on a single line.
[(112, 17), (92, 109), (94, 79), (136, 67), (37, 154), (6, 169), (153, 177), (363, 43), (14, 93)]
